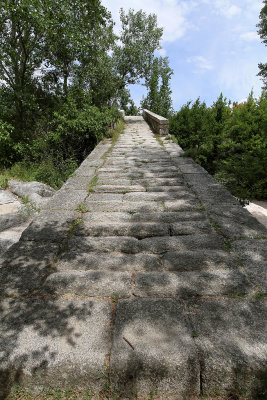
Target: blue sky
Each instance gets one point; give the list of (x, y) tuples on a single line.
[(212, 46)]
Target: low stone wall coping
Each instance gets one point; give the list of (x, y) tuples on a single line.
[(158, 123)]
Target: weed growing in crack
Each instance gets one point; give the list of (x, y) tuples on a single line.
[(236, 295), (74, 226), (82, 209), (259, 295), (216, 227), (115, 298), (93, 183), (160, 141)]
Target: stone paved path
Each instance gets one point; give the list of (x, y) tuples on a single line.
[(143, 274)]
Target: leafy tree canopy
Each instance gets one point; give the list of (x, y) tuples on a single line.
[(263, 34)]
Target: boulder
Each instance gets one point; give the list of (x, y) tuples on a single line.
[(37, 193)]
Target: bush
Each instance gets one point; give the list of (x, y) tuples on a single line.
[(229, 142), (73, 131), (56, 147), (7, 147)]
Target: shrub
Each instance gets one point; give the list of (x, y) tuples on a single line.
[(229, 142)]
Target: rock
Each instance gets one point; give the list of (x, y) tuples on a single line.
[(15, 216), (12, 235), (12, 213), (6, 197), (36, 192)]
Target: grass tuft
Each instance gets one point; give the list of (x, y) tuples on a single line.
[(93, 183), (82, 209), (73, 226)]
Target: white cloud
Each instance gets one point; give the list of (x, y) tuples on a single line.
[(249, 36), (200, 62), (162, 52), (231, 11), (224, 7), (239, 76), (171, 14)]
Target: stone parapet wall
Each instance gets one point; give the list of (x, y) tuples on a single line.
[(159, 124)]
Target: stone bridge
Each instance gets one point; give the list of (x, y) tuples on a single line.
[(142, 277)]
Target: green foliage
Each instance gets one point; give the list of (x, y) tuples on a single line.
[(62, 71), (126, 102), (74, 131), (242, 164), (6, 143), (229, 142), (52, 172), (158, 98), (263, 35), (140, 37)]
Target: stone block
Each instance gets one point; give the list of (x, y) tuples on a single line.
[(190, 228), (158, 196), (230, 335), (202, 259), (209, 190), (66, 200), (24, 267), (122, 244), (50, 225), (165, 188), (118, 188), (107, 197), (191, 284), (78, 182), (169, 217), (236, 222), (88, 283), (158, 245), (182, 204), (153, 350), (108, 261), (122, 206), (149, 182), (253, 256), (54, 343), (135, 229)]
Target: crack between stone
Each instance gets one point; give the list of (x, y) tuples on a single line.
[(200, 361)]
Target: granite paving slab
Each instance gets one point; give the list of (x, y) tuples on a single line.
[(235, 222), (253, 257), (50, 225), (191, 284), (153, 349), (203, 259), (88, 283), (54, 343), (25, 266), (113, 261), (230, 335)]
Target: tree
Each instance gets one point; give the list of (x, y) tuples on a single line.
[(126, 102), (78, 33), (47, 46), (158, 98), (134, 53), (263, 35), (21, 49)]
